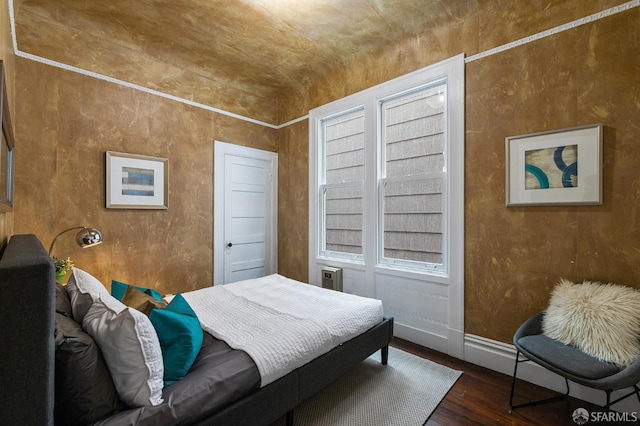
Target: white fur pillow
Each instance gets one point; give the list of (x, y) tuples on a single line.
[(602, 320)]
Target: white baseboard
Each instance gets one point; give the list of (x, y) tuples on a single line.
[(421, 337), (500, 357)]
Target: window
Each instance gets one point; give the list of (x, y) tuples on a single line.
[(387, 175), (411, 175), (343, 180)]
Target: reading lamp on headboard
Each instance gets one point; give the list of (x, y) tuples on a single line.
[(86, 237)]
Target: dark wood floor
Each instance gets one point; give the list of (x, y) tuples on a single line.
[(481, 397)]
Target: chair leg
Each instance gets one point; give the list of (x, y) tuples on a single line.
[(635, 391), (513, 380), (531, 403)]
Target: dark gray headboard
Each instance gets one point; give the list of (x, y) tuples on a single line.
[(27, 320)]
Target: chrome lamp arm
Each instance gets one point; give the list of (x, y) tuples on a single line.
[(86, 237)]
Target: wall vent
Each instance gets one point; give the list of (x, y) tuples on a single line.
[(332, 278)]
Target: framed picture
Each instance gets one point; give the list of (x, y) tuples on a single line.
[(542, 168), (137, 181), (7, 149)]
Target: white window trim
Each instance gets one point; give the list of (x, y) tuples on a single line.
[(453, 71), (321, 178)]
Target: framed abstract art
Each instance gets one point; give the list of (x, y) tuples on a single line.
[(136, 181), (560, 167)]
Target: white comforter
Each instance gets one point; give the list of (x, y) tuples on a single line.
[(281, 323)]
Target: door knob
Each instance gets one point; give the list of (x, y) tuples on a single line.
[(229, 244)]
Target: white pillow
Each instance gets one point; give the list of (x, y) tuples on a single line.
[(131, 349), (83, 289), (602, 320)]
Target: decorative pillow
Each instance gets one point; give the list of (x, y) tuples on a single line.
[(131, 349), (63, 303), (119, 288), (84, 390), (140, 301), (602, 320), (83, 290), (180, 337)]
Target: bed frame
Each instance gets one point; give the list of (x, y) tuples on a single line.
[(271, 402), (27, 286)]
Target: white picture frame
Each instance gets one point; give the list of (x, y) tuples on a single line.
[(136, 181), (7, 149), (542, 168)]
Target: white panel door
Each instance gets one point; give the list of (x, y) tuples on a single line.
[(247, 212), (245, 196)]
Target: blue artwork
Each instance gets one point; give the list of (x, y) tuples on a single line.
[(551, 167), (138, 181)]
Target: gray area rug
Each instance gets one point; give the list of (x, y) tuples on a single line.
[(404, 393)]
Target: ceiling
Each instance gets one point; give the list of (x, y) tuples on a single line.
[(203, 50)]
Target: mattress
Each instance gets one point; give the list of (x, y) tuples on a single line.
[(282, 323)]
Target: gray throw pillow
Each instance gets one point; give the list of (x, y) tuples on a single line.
[(63, 303), (84, 391)]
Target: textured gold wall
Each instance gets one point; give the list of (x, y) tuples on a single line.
[(293, 201), (66, 123), (586, 75), (487, 24), (513, 256)]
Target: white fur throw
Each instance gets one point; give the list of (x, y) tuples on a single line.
[(602, 320)]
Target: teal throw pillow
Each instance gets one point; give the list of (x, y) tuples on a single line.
[(180, 336), (118, 289)]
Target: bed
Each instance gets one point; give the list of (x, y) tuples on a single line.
[(30, 376)]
